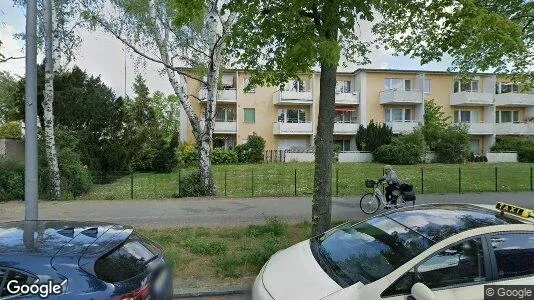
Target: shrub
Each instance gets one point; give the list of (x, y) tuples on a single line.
[(187, 154), (524, 147), (11, 130), (372, 137), (252, 151), (221, 156), (165, 159), (11, 180), (453, 147), (190, 185), (405, 150)]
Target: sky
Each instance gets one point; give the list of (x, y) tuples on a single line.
[(100, 54)]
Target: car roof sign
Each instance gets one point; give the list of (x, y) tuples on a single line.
[(516, 210)]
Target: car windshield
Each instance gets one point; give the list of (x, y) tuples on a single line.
[(366, 251)]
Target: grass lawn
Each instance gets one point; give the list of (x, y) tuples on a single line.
[(348, 179), (217, 257)]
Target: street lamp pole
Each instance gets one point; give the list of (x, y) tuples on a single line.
[(30, 139)]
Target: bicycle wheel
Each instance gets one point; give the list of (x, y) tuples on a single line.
[(369, 204)]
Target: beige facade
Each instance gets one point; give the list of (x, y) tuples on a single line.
[(286, 117)]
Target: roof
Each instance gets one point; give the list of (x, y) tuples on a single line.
[(53, 238), (440, 221)]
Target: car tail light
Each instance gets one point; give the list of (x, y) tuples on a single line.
[(139, 294)]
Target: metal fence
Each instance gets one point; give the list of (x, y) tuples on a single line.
[(347, 180)]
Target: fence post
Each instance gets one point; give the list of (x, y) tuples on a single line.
[(225, 183), (131, 185), (252, 173), (531, 179), (496, 189), (459, 180), (179, 181), (422, 181), (337, 182), (295, 182)]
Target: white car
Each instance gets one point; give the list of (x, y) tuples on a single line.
[(435, 251)]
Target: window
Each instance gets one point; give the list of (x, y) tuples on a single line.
[(397, 84), (246, 82), (503, 87), (344, 145), (507, 116), (249, 115), (465, 116), (514, 253), (398, 115), (224, 142), (475, 146), (462, 263), (343, 86), (427, 86), (228, 82), (470, 86), (225, 114), (294, 86), (345, 116), (291, 116), (7, 275)]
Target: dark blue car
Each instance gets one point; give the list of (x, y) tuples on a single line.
[(80, 260)]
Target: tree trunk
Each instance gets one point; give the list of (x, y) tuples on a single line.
[(48, 115), (205, 166), (322, 196)]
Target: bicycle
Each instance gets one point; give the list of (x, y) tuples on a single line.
[(370, 202)]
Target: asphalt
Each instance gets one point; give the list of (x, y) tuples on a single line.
[(224, 211)]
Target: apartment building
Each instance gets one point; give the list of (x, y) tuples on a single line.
[(286, 116)]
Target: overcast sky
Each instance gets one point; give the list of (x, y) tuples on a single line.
[(102, 55)]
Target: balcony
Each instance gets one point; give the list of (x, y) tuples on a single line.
[(402, 127), (514, 128), (227, 95), (347, 98), (346, 128), (292, 98), (471, 98), (480, 128), (514, 99), (293, 128), (394, 96), (225, 127)]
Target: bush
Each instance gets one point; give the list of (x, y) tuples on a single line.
[(165, 159), (11, 130), (252, 151), (221, 156), (11, 180), (190, 185), (409, 149), (524, 146), (372, 137), (453, 147), (187, 154)]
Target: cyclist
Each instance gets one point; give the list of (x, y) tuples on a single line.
[(390, 177)]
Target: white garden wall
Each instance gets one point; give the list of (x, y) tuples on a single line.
[(355, 157), (299, 157), (502, 157)]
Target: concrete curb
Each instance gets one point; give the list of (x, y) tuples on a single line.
[(210, 292)]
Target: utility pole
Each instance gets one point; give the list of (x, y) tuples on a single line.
[(30, 139)]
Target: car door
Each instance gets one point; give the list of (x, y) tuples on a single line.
[(456, 272), (512, 254)]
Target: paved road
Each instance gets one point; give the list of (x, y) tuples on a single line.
[(230, 297), (223, 211)]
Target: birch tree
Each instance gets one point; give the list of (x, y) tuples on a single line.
[(187, 39)]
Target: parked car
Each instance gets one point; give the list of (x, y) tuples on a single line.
[(80, 260), (437, 251)]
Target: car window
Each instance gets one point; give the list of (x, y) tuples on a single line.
[(8, 275), (462, 263), (514, 253), (131, 257)]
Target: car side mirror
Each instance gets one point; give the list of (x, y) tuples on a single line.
[(422, 292)]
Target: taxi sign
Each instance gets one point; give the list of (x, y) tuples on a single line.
[(516, 210)]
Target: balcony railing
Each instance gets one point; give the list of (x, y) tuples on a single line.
[(347, 98), (402, 127), (514, 128), (346, 128), (471, 98), (399, 96), (292, 97), (225, 127), (480, 128), (293, 128), (514, 99), (227, 95)]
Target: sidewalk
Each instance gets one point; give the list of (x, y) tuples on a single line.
[(224, 211)]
